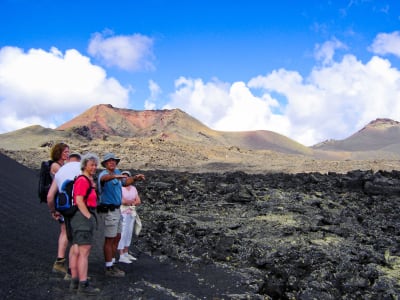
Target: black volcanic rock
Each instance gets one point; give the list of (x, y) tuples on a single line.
[(223, 236), (298, 236)]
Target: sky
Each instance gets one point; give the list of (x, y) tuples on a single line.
[(309, 70)]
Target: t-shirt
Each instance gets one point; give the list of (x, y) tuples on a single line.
[(68, 171), (129, 194), (110, 191), (81, 187)]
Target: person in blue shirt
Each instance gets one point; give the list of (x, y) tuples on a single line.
[(110, 187)]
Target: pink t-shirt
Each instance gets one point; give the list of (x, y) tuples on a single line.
[(81, 186), (128, 194)]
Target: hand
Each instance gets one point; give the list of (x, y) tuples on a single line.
[(139, 177), (55, 214)]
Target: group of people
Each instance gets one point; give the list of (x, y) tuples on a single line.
[(112, 197)]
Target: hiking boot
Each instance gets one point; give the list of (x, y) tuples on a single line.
[(74, 284), (124, 259), (114, 272), (67, 276), (59, 266), (86, 289)]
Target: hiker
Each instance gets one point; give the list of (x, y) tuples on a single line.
[(68, 171), (59, 155), (83, 223), (130, 199), (110, 186)]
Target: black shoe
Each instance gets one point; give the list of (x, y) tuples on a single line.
[(74, 284), (86, 289)]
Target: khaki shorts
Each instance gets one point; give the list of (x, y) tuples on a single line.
[(112, 223)]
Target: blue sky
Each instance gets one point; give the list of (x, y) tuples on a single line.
[(310, 70)]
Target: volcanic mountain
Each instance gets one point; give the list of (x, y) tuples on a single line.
[(173, 140), (102, 121), (380, 138)]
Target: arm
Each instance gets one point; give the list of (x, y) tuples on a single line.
[(132, 179), (50, 200), (108, 177), (55, 166), (137, 201)]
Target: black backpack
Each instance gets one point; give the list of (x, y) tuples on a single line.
[(44, 180), (64, 202)]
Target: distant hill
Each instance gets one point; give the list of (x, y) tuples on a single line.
[(173, 140), (102, 121), (379, 138)]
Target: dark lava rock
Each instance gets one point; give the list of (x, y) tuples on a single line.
[(300, 236)]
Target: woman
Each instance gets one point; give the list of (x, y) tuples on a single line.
[(59, 154), (83, 224), (130, 199)]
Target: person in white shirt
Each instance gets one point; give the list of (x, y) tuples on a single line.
[(68, 171)]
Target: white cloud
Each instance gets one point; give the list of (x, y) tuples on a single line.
[(386, 43), (129, 52), (155, 91), (326, 51), (334, 101), (39, 87), (207, 102)]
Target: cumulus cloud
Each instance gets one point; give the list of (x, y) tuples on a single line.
[(155, 91), (127, 52), (387, 43), (336, 99), (326, 51), (331, 102), (48, 87)]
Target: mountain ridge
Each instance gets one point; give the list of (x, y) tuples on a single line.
[(174, 140)]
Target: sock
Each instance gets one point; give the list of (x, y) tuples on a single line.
[(113, 260), (109, 264)]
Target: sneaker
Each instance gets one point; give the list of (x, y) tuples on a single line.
[(86, 289), (114, 272), (74, 284), (124, 259), (59, 266), (132, 258)]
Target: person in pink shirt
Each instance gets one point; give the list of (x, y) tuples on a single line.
[(130, 199), (83, 224)]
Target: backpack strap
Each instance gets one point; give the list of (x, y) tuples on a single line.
[(90, 186)]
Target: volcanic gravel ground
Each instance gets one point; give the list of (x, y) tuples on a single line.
[(28, 250)]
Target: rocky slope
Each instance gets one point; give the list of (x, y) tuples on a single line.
[(282, 236)]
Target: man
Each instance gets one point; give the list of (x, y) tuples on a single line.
[(110, 185), (68, 171)]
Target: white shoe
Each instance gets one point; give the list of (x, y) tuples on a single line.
[(124, 259), (130, 257)]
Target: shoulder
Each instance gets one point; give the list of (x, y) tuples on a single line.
[(102, 173), (82, 178), (54, 167)]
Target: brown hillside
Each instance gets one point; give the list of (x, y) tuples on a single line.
[(102, 121), (380, 135), (173, 140)]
